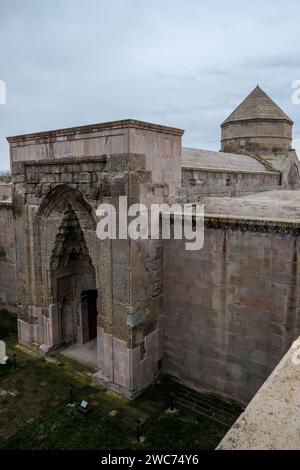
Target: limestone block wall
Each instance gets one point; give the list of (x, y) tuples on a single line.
[(271, 420), (7, 258), (232, 309), (5, 191), (205, 182), (76, 142), (118, 137)]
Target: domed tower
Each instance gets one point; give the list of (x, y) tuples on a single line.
[(258, 126)]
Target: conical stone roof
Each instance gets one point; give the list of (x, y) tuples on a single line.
[(257, 105)]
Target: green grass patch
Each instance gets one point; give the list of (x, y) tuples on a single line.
[(34, 415), (69, 429), (182, 431)]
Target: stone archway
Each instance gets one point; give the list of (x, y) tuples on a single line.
[(73, 279), (61, 196)]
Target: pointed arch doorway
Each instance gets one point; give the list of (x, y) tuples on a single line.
[(73, 282)]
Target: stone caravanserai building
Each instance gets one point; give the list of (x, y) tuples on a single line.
[(218, 319)]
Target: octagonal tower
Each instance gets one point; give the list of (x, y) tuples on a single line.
[(257, 125)]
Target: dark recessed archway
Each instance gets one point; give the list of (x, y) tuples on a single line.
[(72, 274)]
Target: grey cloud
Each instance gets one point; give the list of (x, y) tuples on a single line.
[(277, 61), (186, 64)]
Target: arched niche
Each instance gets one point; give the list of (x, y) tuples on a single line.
[(73, 282)]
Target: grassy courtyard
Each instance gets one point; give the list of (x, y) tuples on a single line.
[(34, 413)]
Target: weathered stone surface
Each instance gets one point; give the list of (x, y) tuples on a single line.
[(222, 312), (7, 257), (271, 420)]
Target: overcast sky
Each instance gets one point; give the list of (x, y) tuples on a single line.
[(184, 63)]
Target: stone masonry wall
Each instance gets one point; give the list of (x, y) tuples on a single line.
[(258, 135), (271, 420), (5, 191), (65, 170), (198, 182), (7, 258), (231, 310)]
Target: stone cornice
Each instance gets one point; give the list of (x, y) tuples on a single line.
[(228, 170), (7, 202), (248, 224), (93, 128), (242, 121), (255, 224)]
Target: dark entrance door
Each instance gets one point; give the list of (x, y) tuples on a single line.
[(92, 313), (65, 296)]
